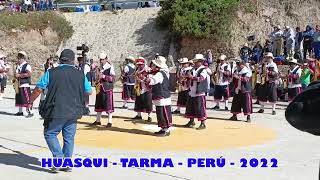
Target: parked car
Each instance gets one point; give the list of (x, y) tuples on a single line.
[(134, 5)]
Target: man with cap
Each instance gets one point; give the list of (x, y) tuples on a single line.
[(245, 53), (294, 83), (222, 76), (184, 84), (23, 76), (143, 102), (196, 104), (63, 105), (161, 96), (104, 97), (242, 97), (128, 81), (269, 84)]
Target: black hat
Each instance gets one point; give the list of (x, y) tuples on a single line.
[(67, 55)]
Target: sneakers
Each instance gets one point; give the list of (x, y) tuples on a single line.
[(176, 112), (261, 111), (190, 124), (274, 113), (233, 118), (216, 108), (19, 114), (109, 125), (95, 123), (202, 126), (149, 119)]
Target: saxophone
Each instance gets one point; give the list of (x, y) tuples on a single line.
[(15, 81), (97, 83), (216, 76), (264, 75), (316, 72), (286, 81), (137, 86), (255, 75)]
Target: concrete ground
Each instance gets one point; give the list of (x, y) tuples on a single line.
[(22, 144)]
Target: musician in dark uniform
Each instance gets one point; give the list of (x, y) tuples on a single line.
[(104, 97), (184, 84), (269, 85), (242, 98), (128, 93), (143, 102), (196, 104), (161, 96), (23, 76)]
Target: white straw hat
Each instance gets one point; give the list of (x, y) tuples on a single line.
[(160, 62)]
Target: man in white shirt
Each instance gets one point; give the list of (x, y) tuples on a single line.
[(104, 91), (294, 83), (222, 77), (3, 75), (23, 76), (128, 82), (196, 105), (161, 96)]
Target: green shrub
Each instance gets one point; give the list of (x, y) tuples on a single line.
[(200, 18), (36, 21)]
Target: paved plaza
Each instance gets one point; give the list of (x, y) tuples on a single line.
[(268, 136)]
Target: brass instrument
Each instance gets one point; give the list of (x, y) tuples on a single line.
[(264, 76), (286, 81), (316, 71), (15, 81), (216, 75), (97, 82), (137, 85), (255, 76)]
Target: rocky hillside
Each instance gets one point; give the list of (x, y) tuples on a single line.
[(266, 15), (129, 32)]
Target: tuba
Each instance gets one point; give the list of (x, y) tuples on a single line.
[(15, 81)]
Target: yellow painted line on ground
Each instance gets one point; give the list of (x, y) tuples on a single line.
[(126, 135)]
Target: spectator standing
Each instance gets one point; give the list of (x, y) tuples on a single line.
[(316, 42), (307, 41), (209, 58), (298, 53), (289, 37), (257, 52), (267, 47), (245, 53), (277, 42)]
